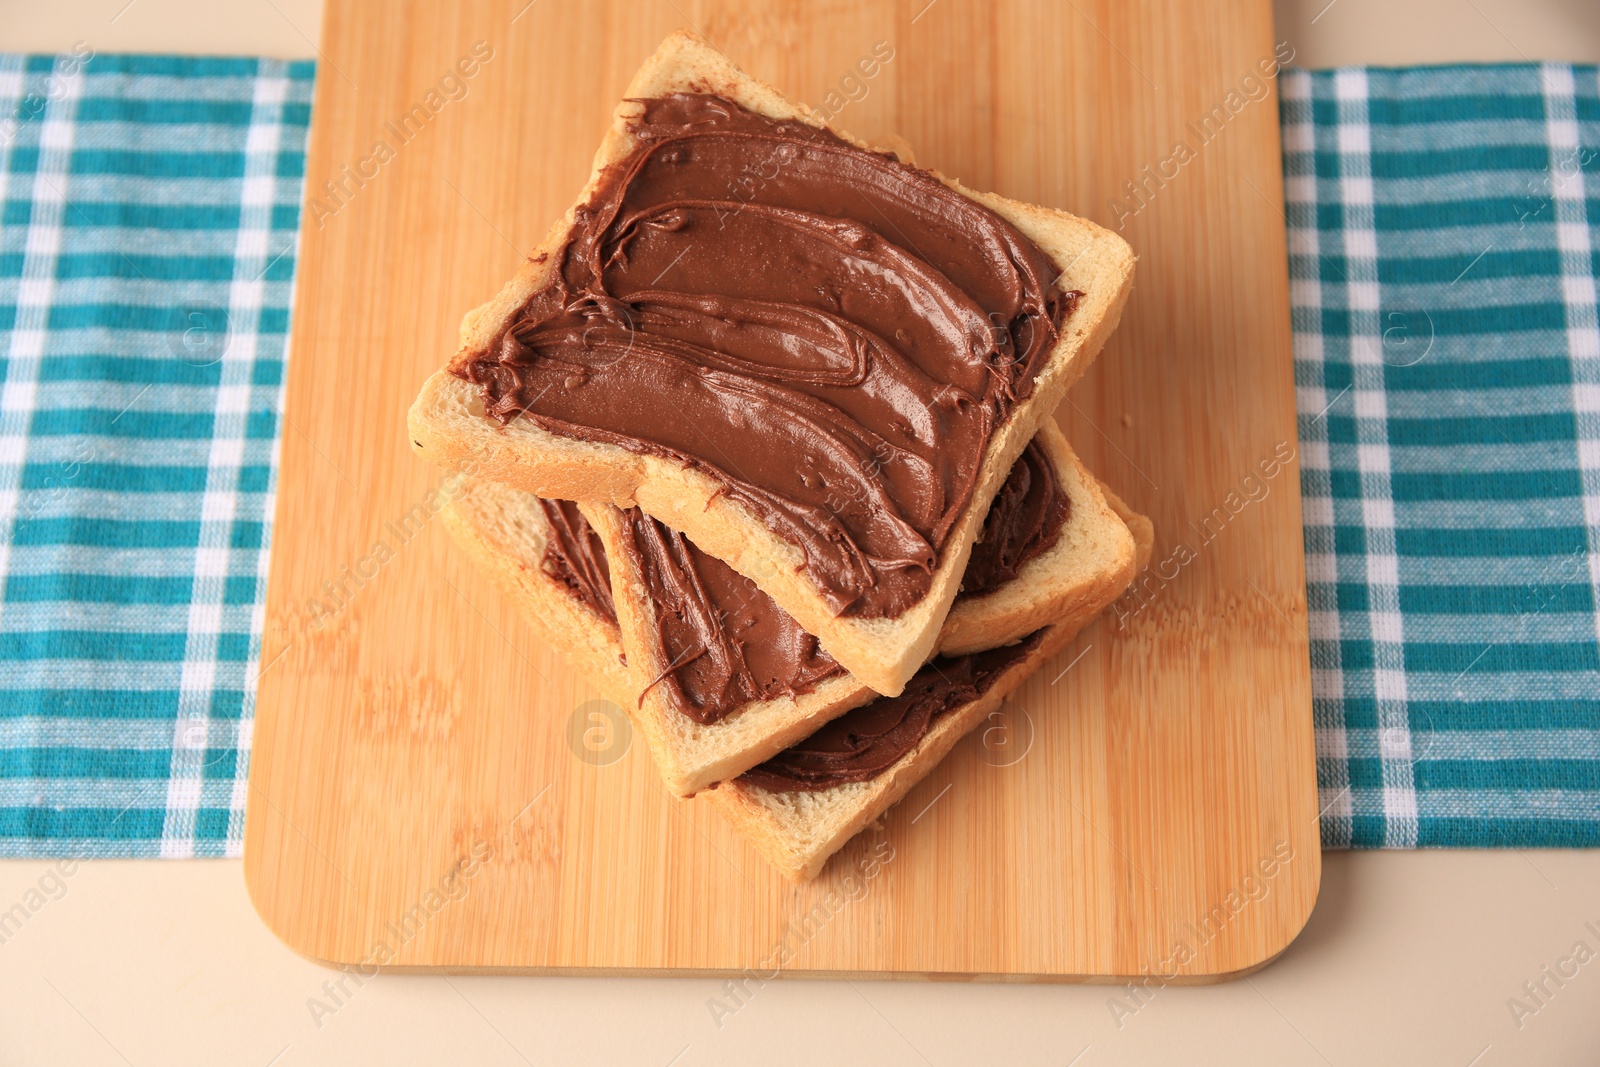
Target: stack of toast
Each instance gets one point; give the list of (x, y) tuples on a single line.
[(762, 440)]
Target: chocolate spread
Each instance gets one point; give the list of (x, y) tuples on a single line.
[(829, 334), (1024, 522), (576, 557), (725, 642), (861, 744)]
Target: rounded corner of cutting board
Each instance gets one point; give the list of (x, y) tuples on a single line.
[(1279, 936), (1307, 893), (283, 924)]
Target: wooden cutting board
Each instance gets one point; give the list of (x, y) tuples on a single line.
[(433, 789)]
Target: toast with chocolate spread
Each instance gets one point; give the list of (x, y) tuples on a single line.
[(728, 679), (815, 361)]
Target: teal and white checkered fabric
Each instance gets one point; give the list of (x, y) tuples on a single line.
[(1444, 228), (147, 247), (1443, 248)]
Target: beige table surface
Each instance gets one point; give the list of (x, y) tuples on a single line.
[(1409, 957)]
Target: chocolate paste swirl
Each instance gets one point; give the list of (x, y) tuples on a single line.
[(724, 641), (1023, 523), (861, 744), (576, 557), (829, 334)]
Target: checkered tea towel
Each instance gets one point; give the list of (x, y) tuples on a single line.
[(1444, 229), (147, 248)]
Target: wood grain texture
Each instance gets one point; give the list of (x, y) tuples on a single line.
[(419, 795)]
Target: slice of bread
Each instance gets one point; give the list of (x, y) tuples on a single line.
[(1088, 567), (448, 424), (798, 831), (505, 533)]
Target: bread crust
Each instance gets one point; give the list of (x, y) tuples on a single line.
[(448, 425)]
